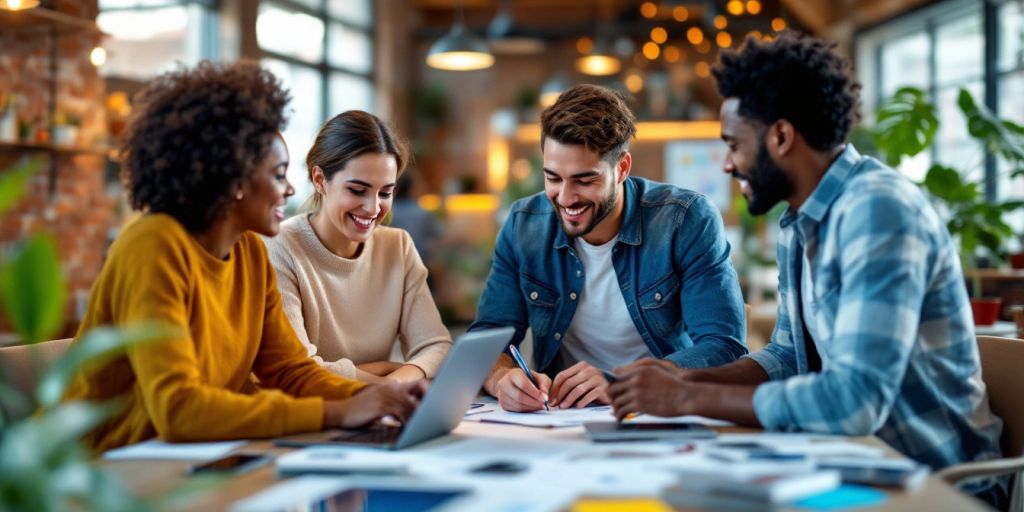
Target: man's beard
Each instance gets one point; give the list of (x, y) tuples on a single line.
[(768, 183), (602, 210)]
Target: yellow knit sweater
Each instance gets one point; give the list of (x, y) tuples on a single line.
[(191, 388)]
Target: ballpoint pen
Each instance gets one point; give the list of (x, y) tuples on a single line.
[(518, 358)]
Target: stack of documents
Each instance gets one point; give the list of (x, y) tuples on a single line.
[(154, 449), (776, 489)]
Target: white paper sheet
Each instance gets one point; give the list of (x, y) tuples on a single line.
[(546, 419), (334, 459), (816, 445), (156, 449), (700, 420)]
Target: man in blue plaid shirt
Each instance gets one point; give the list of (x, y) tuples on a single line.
[(874, 334)]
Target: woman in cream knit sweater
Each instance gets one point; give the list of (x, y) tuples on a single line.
[(351, 288)]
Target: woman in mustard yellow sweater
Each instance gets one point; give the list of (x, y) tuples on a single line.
[(204, 158)]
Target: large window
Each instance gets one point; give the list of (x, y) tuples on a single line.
[(149, 37), (941, 49), (1010, 71), (323, 51)]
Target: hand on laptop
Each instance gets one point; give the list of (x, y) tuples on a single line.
[(373, 402), (579, 385), (516, 393)]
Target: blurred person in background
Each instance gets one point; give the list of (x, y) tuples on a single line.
[(422, 226)]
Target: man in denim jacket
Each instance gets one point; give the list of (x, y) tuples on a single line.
[(874, 334), (605, 268)]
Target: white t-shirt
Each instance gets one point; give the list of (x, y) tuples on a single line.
[(601, 332), (810, 319)]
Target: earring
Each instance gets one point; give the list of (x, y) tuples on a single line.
[(239, 195)]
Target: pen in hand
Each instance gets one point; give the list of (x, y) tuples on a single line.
[(518, 358), (611, 378)]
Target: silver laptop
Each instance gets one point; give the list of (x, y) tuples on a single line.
[(457, 382)]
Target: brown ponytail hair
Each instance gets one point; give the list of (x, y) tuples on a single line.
[(347, 136)]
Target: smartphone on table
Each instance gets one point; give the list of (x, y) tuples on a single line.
[(233, 464)]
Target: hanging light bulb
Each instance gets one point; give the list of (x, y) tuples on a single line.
[(18, 5), (600, 61), (598, 65), (459, 50)]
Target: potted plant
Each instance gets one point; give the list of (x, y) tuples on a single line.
[(43, 465), (906, 125), (8, 117), (65, 129)]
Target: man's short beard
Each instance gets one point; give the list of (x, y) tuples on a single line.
[(603, 209), (769, 184)]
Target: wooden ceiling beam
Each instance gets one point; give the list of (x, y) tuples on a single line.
[(816, 15)]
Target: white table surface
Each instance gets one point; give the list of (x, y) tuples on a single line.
[(999, 328)]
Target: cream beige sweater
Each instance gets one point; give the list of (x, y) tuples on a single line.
[(351, 311)]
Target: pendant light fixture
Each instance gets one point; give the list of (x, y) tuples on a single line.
[(18, 5), (600, 60), (505, 36), (458, 50)]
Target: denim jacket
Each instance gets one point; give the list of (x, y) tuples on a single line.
[(671, 260)]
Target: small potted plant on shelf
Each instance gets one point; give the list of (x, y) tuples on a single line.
[(906, 125), (65, 129), (8, 117), (25, 130)]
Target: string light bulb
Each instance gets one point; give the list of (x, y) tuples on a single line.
[(648, 10), (98, 56), (18, 5)]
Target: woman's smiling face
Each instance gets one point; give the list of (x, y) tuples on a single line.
[(356, 198)]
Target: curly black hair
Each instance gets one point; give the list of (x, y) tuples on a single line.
[(196, 135), (800, 79)]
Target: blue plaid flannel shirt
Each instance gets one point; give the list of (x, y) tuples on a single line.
[(898, 335)]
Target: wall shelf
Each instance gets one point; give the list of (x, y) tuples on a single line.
[(53, 148), (42, 19), (53, 24)]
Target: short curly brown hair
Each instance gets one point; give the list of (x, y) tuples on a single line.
[(591, 115), (197, 135)]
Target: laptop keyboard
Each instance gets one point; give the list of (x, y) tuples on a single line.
[(379, 435)]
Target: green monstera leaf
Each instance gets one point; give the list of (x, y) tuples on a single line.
[(14, 182), (999, 136), (946, 184), (906, 125), (32, 289)]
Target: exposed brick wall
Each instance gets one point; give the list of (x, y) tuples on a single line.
[(80, 213)]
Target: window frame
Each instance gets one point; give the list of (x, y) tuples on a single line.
[(869, 43), (324, 67)]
